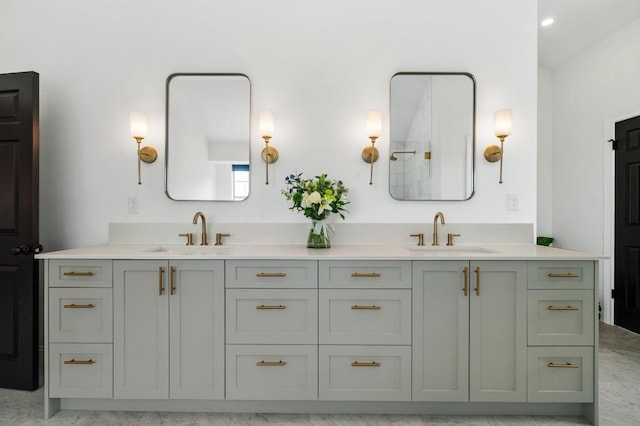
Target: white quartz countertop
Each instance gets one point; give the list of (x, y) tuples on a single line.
[(337, 252)]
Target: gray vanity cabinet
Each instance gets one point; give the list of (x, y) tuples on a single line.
[(168, 329), (469, 331)]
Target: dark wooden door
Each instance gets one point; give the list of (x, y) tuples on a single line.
[(627, 225), (18, 230)]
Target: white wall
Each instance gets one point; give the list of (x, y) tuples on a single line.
[(599, 86), (545, 148), (319, 66)]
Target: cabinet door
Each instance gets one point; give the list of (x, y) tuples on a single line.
[(440, 331), (140, 329), (498, 346), (196, 330)]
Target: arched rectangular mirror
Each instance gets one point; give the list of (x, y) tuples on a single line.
[(208, 137), (432, 127)]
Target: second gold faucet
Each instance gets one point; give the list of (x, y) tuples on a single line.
[(435, 227)]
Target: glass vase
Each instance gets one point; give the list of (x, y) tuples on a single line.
[(318, 235)]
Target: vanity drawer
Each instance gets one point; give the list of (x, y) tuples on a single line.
[(80, 370), (365, 274), (271, 274), (80, 315), (272, 372), (565, 275), (272, 316), (560, 374), (560, 317), (80, 273), (380, 317), (365, 373)]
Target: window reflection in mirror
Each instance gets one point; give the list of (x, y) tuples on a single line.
[(208, 137), (432, 128)]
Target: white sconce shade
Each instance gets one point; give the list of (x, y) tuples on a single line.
[(374, 123), (138, 125), (265, 125), (502, 123)]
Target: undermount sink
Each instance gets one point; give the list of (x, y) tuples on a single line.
[(190, 250), (451, 250)]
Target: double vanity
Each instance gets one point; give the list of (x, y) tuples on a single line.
[(375, 328)]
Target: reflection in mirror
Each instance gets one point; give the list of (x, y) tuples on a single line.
[(432, 126), (208, 137)]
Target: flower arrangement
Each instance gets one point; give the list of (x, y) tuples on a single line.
[(317, 198)]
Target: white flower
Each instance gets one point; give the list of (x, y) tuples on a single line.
[(315, 197)]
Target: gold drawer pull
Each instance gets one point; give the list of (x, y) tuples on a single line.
[(567, 365), (271, 274), (271, 364), (366, 308), (365, 275), (78, 274), (160, 284), (271, 307), (73, 361), (74, 306), (465, 289), (556, 275), (563, 308), (365, 364)]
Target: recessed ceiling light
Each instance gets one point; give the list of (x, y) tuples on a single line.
[(546, 22)]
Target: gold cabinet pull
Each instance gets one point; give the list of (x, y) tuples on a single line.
[(172, 280), (557, 275), (74, 306), (74, 361), (477, 289), (78, 274), (562, 308), (465, 289), (271, 307), (365, 364), (365, 275), (567, 365), (366, 307), (271, 364), (160, 284), (271, 274)]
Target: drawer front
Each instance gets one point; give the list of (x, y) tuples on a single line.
[(380, 317), (271, 274), (272, 372), (272, 316), (560, 374), (365, 274), (561, 275), (80, 370), (560, 317), (365, 373), (80, 273), (80, 315)]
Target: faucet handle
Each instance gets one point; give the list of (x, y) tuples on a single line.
[(450, 238), (420, 238), (189, 236), (219, 238)]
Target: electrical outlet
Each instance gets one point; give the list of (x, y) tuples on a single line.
[(513, 203), (134, 207)]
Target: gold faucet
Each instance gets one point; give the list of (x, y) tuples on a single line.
[(205, 239), (435, 227)]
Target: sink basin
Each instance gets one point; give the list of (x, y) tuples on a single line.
[(190, 250), (450, 250)]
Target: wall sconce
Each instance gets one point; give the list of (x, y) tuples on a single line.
[(502, 126), (269, 153), (370, 154), (138, 128)]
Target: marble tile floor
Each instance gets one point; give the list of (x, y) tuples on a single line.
[(619, 359)]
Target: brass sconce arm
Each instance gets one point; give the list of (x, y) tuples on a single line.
[(370, 155)]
